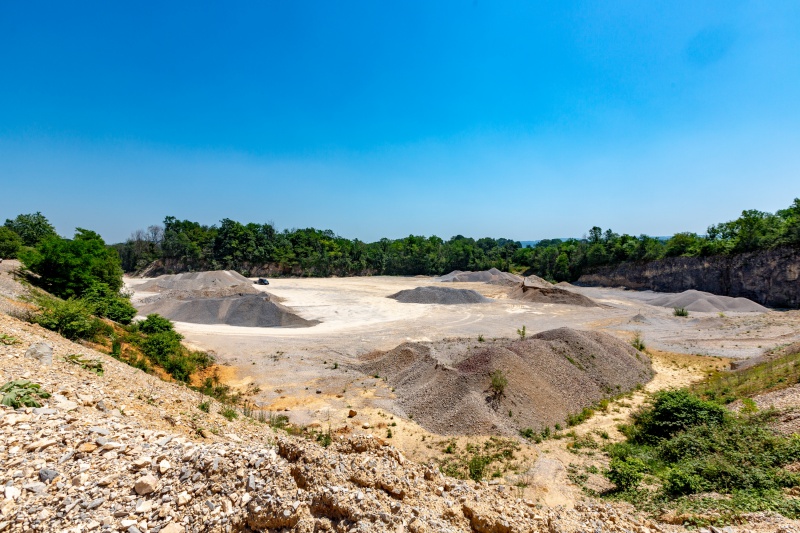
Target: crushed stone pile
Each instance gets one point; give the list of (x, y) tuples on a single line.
[(213, 284), (445, 385), (119, 452), (250, 310), (492, 275), (538, 290), (705, 302), (439, 295)]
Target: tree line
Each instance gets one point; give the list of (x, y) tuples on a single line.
[(255, 249)]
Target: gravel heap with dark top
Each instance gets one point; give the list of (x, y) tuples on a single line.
[(445, 385), (535, 289), (251, 310), (439, 295)]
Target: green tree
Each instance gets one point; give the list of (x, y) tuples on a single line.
[(68, 268), (10, 243), (32, 228)]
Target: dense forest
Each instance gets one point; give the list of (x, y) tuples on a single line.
[(181, 245)]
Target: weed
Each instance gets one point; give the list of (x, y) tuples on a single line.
[(22, 393), (680, 311), (205, 406), (480, 338), (92, 365), (277, 421), (498, 383), (638, 341), (8, 340), (229, 413), (522, 333)]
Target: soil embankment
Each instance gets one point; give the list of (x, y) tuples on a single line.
[(446, 385), (768, 277)]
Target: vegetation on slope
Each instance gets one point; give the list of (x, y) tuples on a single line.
[(688, 455)]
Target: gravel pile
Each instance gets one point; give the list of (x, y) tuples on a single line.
[(446, 385), (705, 302), (535, 289), (439, 295), (251, 310), (492, 275), (213, 284)]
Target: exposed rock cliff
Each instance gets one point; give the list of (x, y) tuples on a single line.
[(769, 277)]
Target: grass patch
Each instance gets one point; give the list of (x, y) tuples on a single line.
[(776, 374), (477, 461)]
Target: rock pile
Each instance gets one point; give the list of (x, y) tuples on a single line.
[(439, 295)]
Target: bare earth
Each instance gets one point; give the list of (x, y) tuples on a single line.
[(305, 370)]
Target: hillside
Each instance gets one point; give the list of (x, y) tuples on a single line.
[(126, 451)]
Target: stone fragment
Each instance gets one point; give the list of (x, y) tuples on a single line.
[(12, 493), (164, 466), (172, 527), (144, 506), (47, 475), (87, 447), (42, 352), (142, 462), (351, 413), (184, 498), (145, 485)]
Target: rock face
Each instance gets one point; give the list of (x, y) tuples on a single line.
[(769, 277)]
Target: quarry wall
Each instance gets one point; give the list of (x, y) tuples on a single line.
[(769, 277)]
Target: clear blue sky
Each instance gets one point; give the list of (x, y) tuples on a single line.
[(518, 119)]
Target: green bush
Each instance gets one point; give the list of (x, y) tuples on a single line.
[(204, 406), (626, 473), (155, 323), (109, 304), (70, 318), (680, 311), (679, 481), (674, 411)]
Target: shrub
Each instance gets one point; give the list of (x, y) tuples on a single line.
[(70, 318), (679, 482), (108, 304), (680, 311), (22, 393), (155, 323), (204, 406), (626, 473), (499, 382), (522, 333), (674, 411)]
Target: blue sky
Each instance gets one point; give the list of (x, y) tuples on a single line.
[(525, 120)]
